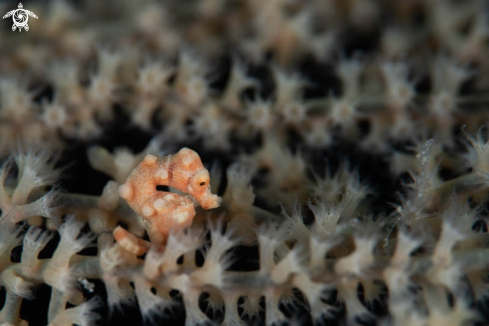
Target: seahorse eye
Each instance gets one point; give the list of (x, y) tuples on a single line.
[(202, 184)]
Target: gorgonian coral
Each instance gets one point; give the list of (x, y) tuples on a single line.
[(347, 140)]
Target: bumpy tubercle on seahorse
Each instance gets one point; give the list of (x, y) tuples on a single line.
[(163, 211)]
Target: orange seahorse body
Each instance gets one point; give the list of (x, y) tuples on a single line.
[(164, 211)]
